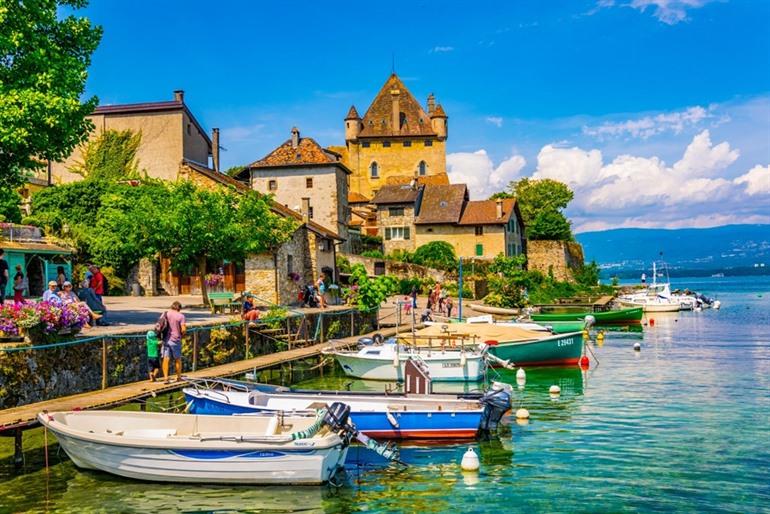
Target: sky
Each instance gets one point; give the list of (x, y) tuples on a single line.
[(655, 112)]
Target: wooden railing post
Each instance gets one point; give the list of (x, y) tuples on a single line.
[(195, 351), (321, 327), (246, 339), (352, 324), (104, 363)]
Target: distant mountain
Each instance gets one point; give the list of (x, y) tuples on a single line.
[(741, 249)]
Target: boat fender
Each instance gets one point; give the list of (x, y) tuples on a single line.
[(391, 419), (521, 376)]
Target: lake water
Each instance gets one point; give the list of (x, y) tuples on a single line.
[(682, 426)]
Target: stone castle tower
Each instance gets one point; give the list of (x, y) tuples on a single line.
[(395, 142)]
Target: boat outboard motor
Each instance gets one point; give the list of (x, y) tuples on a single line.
[(588, 322), (496, 402), (338, 419)]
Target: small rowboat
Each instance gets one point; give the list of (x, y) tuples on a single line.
[(273, 449), (632, 315)]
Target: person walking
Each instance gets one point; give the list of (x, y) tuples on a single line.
[(172, 330), (321, 287), (19, 285), (153, 365), (448, 305), (413, 294), (3, 276)]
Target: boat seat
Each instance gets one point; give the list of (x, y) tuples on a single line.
[(148, 433)]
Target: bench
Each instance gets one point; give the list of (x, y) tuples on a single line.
[(225, 300)]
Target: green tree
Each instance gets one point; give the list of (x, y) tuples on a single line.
[(233, 171), (550, 225), (508, 281), (436, 254), (587, 275), (534, 196), (368, 293), (9, 205), (110, 157), (43, 68), (501, 195)]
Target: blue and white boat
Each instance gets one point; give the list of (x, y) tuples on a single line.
[(429, 416)]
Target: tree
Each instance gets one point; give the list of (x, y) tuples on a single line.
[(234, 171), (508, 281), (369, 293), (43, 68), (550, 225), (534, 196), (436, 254), (501, 195), (9, 205), (110, 157)]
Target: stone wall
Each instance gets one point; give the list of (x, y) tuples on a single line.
[(385, 219), (397, 269), (555, 257), (145, 276)]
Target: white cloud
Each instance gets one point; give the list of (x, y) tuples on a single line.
[(757, 180), (648, 126), (497, 121), (669, 12), (441, 49), (701, 158), (477, 170)]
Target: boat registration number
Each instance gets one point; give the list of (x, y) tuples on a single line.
[(450, 364), (568, 342)]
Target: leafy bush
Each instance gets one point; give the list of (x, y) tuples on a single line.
[(373, 254), (437, 254), (423, 285), (368, 293), (9, 206), (550, 225), (452, 289), (400, 256), (343, 264), (587, 274)]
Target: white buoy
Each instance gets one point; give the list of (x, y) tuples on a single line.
[(522, 414), (637, 347), (470, 461), (521, 377), (555, 390)]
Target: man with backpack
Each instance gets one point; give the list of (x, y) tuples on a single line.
[(171, 328)]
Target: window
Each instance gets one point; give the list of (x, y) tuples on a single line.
[(272, 185), (310, 213), (396, 233), (365, 144), (289, 264), (308, 183), (479, 250), (395, 211), (374, 170), (422, 168), (479, 231), (386, 144), (428, 142), (407, 143)]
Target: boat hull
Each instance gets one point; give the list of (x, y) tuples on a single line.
[(652, 307), (630, 315), (387, 425), (442, 369), (558, 350)]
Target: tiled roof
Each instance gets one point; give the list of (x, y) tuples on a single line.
[(442, 204), (396, 194), (307, 153), (352, 113), (280, 210), (356, 197), (378, 118), (225, 180), (441, 179), (438, 112), (484, 212)]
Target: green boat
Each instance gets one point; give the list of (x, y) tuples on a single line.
[(555, 350), (633, 315), (563, 327)]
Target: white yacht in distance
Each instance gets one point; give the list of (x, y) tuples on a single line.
[(656, 298)]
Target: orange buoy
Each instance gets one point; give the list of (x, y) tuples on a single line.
[(652, 322)]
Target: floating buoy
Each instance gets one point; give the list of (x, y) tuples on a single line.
[(585, 334), (521, 376), (470, 461), (584, 362), (554, 389), (600, 335), (652, 322), (522, 414), (637, 347)]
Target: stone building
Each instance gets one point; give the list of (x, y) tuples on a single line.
[(171, 136), (395, 139), (396, 209), (304, 177)]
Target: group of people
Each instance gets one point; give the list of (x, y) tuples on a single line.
[(438, 303), (61, 292)]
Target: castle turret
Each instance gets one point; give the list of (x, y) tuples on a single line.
[(352, 124), (438, 120)]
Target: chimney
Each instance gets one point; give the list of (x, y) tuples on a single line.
[(431, 103), (396, 115), (294, 137), (499, 208), (179, 96), (305, 210), (215, 148)]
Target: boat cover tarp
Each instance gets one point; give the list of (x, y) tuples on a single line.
[(482, 331)]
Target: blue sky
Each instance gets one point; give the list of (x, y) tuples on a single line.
[(657, 112)]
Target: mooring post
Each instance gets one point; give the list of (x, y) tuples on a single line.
[(104, 363), (18, 449), (195, 351), (246, 340), (352, 324), (321, 327)]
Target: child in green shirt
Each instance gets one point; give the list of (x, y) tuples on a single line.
[(153, 364)]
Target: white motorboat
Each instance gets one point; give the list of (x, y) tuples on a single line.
[(386, 361), (271, 449), (656, 298)]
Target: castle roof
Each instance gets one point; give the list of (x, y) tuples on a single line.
[(352, 113), (438, 112), (378, 120)]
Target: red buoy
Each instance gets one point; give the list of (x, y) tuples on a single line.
[(652, 322), (584, 362)]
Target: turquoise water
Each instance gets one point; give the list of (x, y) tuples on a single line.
[(682, 426)]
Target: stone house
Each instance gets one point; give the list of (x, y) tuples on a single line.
[(171, 136), (304, 177), (396, 209), (480, 229), (395, 138)]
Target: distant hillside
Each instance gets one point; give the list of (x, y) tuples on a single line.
[(738, 248)]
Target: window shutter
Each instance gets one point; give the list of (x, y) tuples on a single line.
[(479, 250), (387, 233), (406, 232)]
